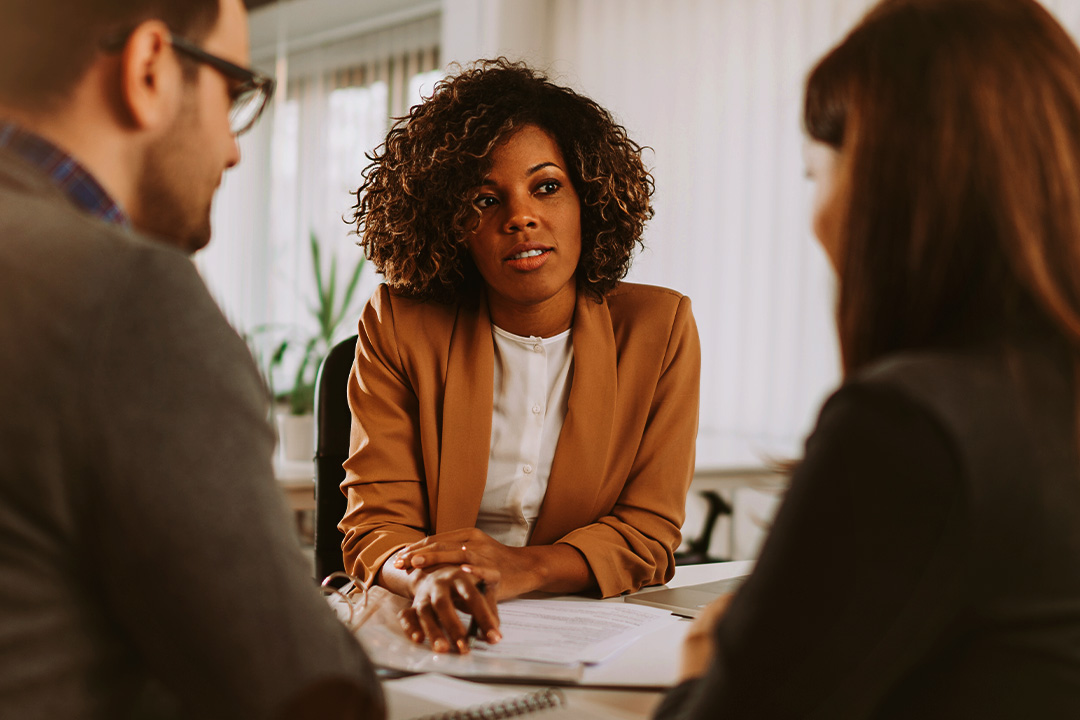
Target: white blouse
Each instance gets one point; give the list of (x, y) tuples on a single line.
[(532, 388)]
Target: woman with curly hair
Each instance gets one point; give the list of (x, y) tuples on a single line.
[(522, 419)]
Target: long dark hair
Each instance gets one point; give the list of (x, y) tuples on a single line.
[(958, 125)]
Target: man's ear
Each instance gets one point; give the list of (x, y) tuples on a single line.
[(151, 80)]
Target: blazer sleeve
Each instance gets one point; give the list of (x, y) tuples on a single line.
[(384, 481), (633, 546)]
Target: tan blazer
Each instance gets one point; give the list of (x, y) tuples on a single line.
[(421, 393)]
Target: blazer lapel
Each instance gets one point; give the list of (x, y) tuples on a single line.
[(577, 471), (466, 420)]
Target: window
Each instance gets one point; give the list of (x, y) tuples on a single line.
[(298, 171)]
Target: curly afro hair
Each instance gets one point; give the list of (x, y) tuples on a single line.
[(415, 208)]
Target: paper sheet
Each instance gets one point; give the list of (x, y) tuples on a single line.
[(561, 631), (548, 640), (388, 647)]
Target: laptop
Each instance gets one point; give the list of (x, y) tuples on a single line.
[(689, 600)]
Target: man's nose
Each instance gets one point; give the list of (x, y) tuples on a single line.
[(233, 158)]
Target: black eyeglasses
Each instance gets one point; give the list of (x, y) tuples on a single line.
[(251, 91)]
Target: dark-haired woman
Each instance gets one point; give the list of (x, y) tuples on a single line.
[(520, 416), (926, 560)]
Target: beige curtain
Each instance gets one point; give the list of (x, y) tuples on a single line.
[(302, 162)]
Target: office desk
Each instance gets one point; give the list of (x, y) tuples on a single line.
[(297, 481), (657, 652)]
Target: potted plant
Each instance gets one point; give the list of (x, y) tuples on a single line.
[(295, 405)]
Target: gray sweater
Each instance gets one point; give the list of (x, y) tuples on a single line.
[(143, 540)]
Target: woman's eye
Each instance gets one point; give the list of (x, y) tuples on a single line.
[(484, 202), (549, 186)]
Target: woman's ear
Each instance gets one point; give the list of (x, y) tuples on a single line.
[(151, 79)]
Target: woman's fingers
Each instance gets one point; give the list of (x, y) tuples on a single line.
[(487, 574), (480, 604), (410, 624), (711, 615), (456, 547), (439, 594), (429, 622), (698, 650), (432, 554)]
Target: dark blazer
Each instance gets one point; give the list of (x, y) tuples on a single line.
[(421, 394), (926, 560)]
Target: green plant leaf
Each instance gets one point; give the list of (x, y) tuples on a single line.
[(301, 398), (350, 291), (316, 264), (329, 311), (326, 310), (278, 356)]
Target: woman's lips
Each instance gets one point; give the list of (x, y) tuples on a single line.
[(528, 260)]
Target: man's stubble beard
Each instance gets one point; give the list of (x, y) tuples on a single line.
[(170, 203)]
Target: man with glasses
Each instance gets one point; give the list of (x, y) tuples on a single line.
[(147, 565)]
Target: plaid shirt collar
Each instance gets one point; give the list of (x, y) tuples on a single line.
[(65, 172)]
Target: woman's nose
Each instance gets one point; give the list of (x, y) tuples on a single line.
[(520, 215)]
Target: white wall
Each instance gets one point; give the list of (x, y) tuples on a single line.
[(714, 88)]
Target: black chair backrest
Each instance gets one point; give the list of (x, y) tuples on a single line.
[(697, 550), (332, 426)]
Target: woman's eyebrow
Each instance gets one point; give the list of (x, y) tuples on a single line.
[(534, 169), (541, 166)]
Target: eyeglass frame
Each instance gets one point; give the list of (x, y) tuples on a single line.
[(247, 78)]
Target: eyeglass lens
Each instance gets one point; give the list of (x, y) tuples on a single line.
[(246, 109)]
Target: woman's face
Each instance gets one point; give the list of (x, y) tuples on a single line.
[(822, 162), (528, 240)]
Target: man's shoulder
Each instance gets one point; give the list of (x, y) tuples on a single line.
[(42, 229), (66, 273)]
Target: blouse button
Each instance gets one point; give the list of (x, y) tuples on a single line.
[(538, 347), (536, 409), (527, 469)]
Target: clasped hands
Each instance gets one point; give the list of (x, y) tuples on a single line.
[(464, 570)]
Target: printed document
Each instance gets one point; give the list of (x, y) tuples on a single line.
[(561, 631)]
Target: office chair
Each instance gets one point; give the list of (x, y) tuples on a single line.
[(697, 550), (333, 421)]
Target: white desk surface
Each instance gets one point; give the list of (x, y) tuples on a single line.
[(657, 652)]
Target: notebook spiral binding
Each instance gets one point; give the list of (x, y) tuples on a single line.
[(552, 698)]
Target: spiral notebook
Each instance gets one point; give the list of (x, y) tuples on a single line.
[(438, 697)]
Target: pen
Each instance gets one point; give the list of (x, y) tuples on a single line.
[(474, 626)]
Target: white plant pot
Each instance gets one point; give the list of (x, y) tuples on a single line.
[(296, 437)]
